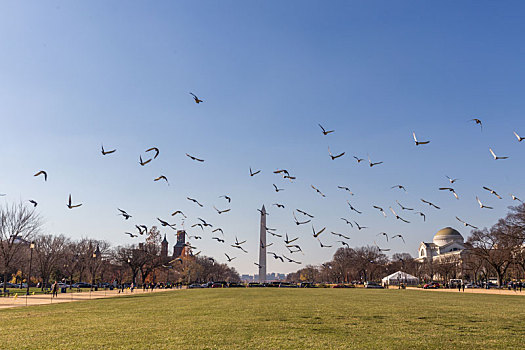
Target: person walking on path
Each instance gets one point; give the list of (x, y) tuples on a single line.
[(54, 289), (463, 286)]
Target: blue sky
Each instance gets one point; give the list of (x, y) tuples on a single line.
[(75, 75)]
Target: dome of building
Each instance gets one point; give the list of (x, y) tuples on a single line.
[(446, 236)]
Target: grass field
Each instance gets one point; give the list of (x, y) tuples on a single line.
[(272, 319)]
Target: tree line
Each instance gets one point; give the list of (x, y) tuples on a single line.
[(496, 253), (24, 247)]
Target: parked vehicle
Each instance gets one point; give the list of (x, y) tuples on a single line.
[(81, 285), (195, 285), (431, 285), (373, 285), (255, 285)]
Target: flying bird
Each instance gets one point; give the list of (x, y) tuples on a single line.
[(282, 171), (449, 189), (239, 247), (352, 208), (195, 98), (143, 162), (258, 265), (221, 211), (481, 205), (380, 209), (422, 214), (346, 189), (383, 234), (359, 160), (403, 207), (322, 245), (291, 260), (305, 213), (220, 240), (360, 227), (194, 158), (339, 235), (275, 256), (451, 180), (288, 241), (514, 198), (204, 222), (254, 173), (124, 214), (227, 198), (401, 187), (495, 156), (429, 203), (397, 216), (165, 223), (277, 189), (218, 229), (318, 191), (399, 237), (195, 201), (278, 205), (263, 213), (324, 131), (466, 224), (477, 121), (142, 229), (297, 222), (519, 137), (130, 234), (419, 142), (347, 222), (154, 149), (162, 177), (71, 206), (492, 192), (179, 212), (265, 245), (344, 243), (318, 233), (42, 172), (237, 241), (228, 257), (104, 152), (336, 156), (275, 234), (33, 202), (372, 164)]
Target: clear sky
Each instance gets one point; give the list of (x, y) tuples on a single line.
[(75, 75)]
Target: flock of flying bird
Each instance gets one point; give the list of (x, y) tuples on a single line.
[(302, 217)]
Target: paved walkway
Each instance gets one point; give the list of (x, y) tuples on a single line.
[(43, 299), (474, 291)]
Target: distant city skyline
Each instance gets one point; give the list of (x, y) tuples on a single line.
[(77, 76)]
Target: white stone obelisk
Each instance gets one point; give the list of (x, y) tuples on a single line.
[(262, 247)]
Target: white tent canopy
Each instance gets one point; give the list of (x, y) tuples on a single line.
[(400, 277)]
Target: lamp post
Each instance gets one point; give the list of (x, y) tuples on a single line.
[(95, 256), (31, 247)]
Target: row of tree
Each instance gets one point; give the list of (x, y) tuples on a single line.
[(23, 247), (497, 252)]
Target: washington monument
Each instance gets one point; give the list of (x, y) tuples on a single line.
[(262, 247)]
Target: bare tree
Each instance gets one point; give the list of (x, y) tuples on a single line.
[(495, 247), (18, 225), (50, 250)]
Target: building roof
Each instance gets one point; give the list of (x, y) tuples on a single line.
[(448, 232)]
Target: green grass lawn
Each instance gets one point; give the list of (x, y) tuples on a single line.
[(272, 319)]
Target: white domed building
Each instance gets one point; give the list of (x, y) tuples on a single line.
[(447, 242)]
